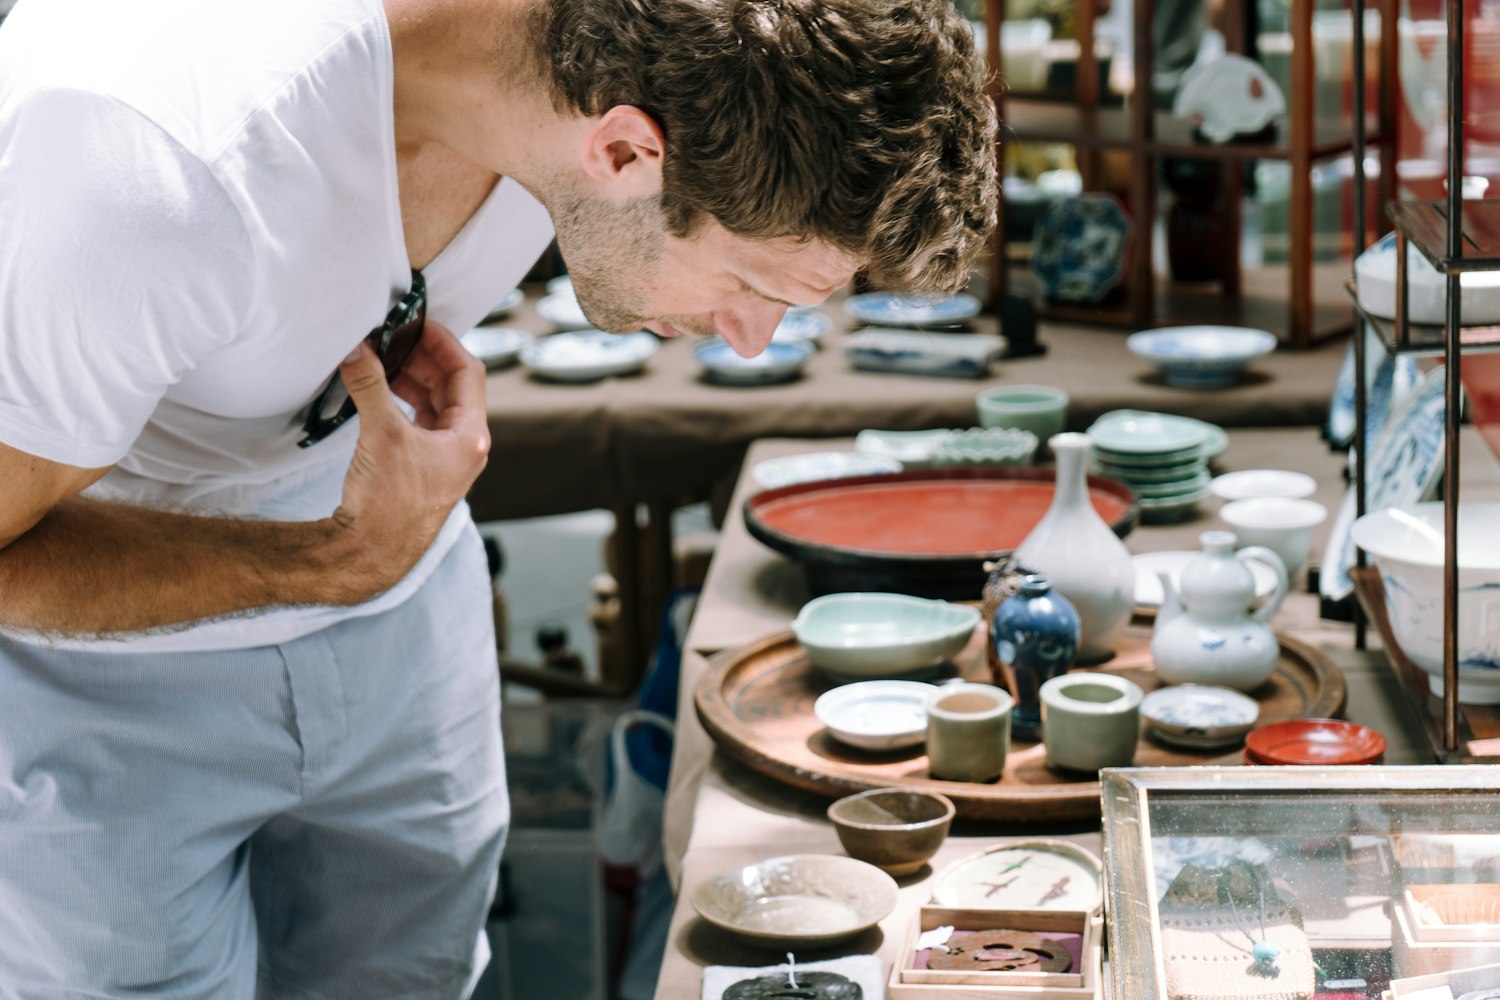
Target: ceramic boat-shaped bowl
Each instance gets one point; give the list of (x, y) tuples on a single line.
[(882, 635)]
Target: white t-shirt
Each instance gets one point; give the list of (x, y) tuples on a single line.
[(199, 219)]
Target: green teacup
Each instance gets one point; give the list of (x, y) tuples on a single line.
[(1040, 409)]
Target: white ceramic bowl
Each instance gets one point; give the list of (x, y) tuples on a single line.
[(1199, 716), (1282, 524), (809, 899), (588, 355), (1248, 484), (1406, 544), (875, 715), (1201, 357), (496, 346), (1427, 289), (777, 363), (869, 636)]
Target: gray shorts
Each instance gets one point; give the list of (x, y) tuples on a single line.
[(314, 820)]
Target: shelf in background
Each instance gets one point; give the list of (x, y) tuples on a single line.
[(1425, 339), (1030, 120), (1425, 224)]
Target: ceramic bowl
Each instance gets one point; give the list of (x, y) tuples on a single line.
[(1427, 289), (562, 310), (913, 352), (1199, 716), (869, 636), (1314, 742), (801, 899), (1249, 484), (496, 346), (1040, 409), (894, 829), (506, 305), (818, 465), (1406, 544), (875, 715), (1201, 357), (886, 309), (986, 446), (588, 355), (776, 363), (1282, 524)]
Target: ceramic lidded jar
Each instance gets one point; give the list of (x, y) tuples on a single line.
[(1207, 634), (1077, 551), (1034, 633)]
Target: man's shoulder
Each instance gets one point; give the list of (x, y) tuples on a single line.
[(197, 71)]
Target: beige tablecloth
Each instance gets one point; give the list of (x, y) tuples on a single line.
[(720, 814)]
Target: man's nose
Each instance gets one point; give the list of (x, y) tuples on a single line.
[(749, 330)]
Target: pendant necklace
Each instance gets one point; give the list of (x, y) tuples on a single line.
[(1263, 951)]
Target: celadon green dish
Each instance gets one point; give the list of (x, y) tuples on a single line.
[(1135, 433), (869, 636), (1215, 438)]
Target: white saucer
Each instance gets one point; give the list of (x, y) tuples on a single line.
[(776, 363), (507, 303), (1148, 588), (876, 715), (562, 309), (1199, 716), (496, 346), (588, 355)]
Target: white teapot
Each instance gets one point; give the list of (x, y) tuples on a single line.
[(1208, 634)]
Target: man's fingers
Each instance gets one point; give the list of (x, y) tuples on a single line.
[(364, 377)]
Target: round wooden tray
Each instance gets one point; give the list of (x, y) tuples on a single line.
[(757, 704)]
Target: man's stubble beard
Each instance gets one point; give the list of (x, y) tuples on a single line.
[(613, 253)]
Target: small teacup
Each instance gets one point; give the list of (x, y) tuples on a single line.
[(1040, 409), (968, 731), (1282, 524), (1090, 720)]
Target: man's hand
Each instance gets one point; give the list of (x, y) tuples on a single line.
[(407, 475)]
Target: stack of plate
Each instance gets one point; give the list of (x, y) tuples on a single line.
[(1164, 458)]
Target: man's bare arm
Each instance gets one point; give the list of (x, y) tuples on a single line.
[(74, 566)]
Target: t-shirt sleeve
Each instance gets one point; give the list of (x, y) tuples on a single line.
[(123, 262)]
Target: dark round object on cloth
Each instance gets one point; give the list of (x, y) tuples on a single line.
[(810, 986)]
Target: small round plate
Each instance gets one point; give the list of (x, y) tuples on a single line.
[(1199, 716), (776, 363), (807, 899), (560, 285), (1139, 433), (588, 355), (809, 468), (904, 310), (876, 715), (496, 346), (505, 306), (561, 309), (1213, 444), (802, 324), (1314, 742), (1023, 875), (1148, 587), (1250, 483)]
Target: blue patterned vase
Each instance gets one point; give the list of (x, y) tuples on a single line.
[(1035, 633)]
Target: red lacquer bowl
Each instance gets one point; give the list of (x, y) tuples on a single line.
[(924, 532), (1314, 742)]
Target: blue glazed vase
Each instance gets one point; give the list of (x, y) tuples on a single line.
[(1034, 632)]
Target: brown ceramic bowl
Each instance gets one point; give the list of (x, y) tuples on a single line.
[(894, 829)]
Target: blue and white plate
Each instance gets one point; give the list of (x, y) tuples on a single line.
[(816, 466), (1389, 380), (1199, 716), (910, 352), (588, 355), (561, 309), (801, 324), (777, 363), (888, 309), (1079, 247), (1201, 357), (1404, 467), (496, 346), (505, 306)]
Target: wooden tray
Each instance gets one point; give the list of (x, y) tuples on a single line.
[(757, 704)]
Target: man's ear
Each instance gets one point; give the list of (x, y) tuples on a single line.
[(623, 152)]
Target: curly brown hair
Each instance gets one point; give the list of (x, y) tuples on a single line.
[(862, 123)]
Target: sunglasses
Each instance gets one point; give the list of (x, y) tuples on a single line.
[(393, 342)]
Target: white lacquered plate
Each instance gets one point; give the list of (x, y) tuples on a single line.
[(876, 715), (588, 355)]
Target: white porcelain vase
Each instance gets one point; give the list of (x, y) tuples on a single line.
[(1081, 555)]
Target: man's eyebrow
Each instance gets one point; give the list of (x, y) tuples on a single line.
[(769, 298)]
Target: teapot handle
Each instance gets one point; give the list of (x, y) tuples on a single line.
[(1269, 559)]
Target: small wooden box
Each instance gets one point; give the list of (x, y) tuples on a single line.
[(1082, 983), (1411, 955), (1460, 981), (1466, 911)]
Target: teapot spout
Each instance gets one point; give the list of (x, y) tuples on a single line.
[(1171, 604)]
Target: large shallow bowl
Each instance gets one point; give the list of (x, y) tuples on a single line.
[(1407, 546), (800, 899), (924, 532), (870, 636), (1201, 357)]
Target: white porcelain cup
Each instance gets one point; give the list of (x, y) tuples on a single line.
[(1282, 524), (1090, 720), (968, 731)]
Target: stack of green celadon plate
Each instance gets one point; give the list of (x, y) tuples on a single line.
[(1163, 457)]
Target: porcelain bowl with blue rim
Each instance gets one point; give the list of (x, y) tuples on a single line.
[(777, 363), (1201, 357), (867, 636), (888, 309), (496, 346), (588, 355), (1406, 545), (1199, 716), (802, 324)]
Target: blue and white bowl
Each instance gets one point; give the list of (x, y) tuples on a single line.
[(496, 346), (889, 309), (1199, 716), (1201, 357), (777, 363), (562, 310), (910, 352), (802, 324), (588, 355)]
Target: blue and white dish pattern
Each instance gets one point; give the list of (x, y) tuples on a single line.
[(562, 310), (1079, 247), (909, 352), (813, 467), (1404, 466), (1426, 287), (1201, 357), (588, 355), (1389, 381), (801, 324), (888, 309), (1200, 716), (496, 346), (777, 363)]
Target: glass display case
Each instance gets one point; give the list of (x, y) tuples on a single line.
[(1298, 882)]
